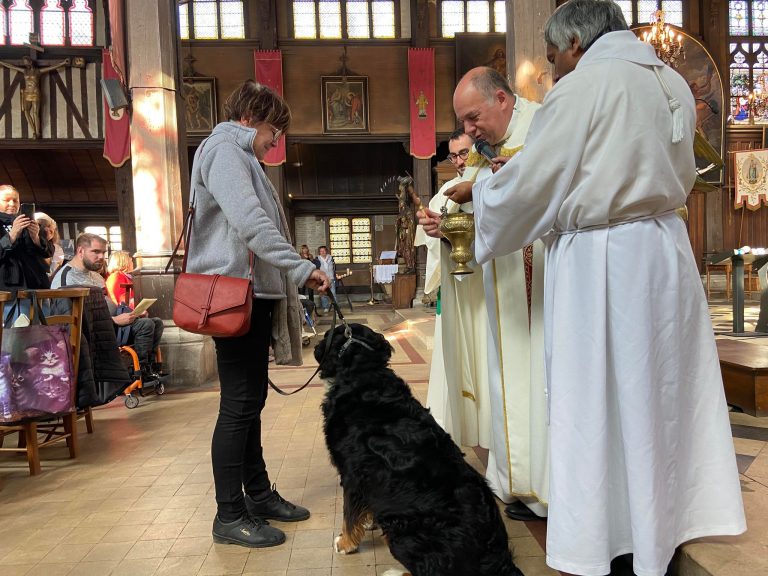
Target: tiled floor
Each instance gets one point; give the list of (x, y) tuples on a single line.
[(139, 499)]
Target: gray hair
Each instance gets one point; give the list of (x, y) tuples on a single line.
[(489, 81), (585, 20)]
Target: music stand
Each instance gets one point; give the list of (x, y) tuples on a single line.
[(737, 280)]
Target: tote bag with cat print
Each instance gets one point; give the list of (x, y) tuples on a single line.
[(36, 374)]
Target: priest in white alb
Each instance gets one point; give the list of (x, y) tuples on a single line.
[(642, 457), (513, 286), (445, 402)]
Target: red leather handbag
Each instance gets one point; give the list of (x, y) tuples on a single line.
[(210, 304)]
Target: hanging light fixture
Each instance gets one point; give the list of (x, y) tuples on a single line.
[(667, 43)]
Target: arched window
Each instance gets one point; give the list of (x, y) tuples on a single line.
[(59, 22), (471, 16), (80, 24), (748, 60), (641, 11), (337, 19), (52, 23), (211, 19), (20, 22)]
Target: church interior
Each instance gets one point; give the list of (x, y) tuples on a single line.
[(103, 106)]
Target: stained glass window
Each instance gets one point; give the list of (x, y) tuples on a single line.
[(52, 23), (351, 240), (626, 7), (472, 16), (184, 21), (304, 19), (232, 19), (206, 19), (336, 19), (642, 11), (499, 16), (212, 19), (20, 20), (384, 19), (748, 61), (330, 18), (80, 24)]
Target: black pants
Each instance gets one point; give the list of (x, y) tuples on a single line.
[(146, 334), (236, 451)]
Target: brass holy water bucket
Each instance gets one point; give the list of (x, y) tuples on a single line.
[(459, 229)]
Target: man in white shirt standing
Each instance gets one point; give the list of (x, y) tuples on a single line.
[(642, 454)]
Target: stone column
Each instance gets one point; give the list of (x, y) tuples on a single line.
[(528, 71), (156, 159)]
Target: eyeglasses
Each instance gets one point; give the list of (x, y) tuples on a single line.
[(460, 154), (275, 134)]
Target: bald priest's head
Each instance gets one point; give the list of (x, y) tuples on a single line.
[(483, 102)]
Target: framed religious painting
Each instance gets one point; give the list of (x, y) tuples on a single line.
[(344, 101), (199, 94), (480, 49), (703, 78)]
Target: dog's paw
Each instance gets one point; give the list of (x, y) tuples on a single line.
[(342, 545), (395, 572)]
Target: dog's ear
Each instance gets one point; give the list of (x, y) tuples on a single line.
[(328, 355)]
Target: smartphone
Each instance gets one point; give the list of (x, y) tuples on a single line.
[(28, 210)]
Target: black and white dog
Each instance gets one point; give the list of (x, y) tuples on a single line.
[(401, 470)]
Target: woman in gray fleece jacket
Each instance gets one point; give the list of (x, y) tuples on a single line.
[(238, 212)]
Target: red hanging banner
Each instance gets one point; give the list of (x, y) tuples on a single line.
[(421, 91), (117, 127), (269, 71)]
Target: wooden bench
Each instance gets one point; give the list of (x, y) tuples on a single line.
[(744, 365)]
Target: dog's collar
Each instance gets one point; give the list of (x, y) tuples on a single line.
[(352, 340)]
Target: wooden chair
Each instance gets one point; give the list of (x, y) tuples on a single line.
[(38, 433)]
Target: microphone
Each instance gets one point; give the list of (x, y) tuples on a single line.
[(485, 149)]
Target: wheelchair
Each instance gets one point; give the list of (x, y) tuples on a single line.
[(131, 362)]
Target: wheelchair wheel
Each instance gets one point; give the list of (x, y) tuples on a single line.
[(131, 401), (160, 389)]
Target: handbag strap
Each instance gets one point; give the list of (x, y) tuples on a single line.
[(186, 235)]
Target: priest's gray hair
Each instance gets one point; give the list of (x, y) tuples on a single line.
[(585, 20), (489, 81)]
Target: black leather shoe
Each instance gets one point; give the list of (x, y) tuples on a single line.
[(275, 507), (519, 511), (249, 532)]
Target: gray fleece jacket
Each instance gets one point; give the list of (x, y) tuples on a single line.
[(236, 210)]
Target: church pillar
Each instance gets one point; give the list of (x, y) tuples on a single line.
[(528, 70), (156, 160)]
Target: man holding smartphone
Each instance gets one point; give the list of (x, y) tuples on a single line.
[(21, 245)]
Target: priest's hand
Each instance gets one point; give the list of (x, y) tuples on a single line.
[(461, 193), (498, 162), (430, 222)]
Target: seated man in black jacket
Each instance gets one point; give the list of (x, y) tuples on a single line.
[(22, 248), (90, 251)]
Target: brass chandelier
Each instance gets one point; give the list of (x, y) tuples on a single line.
[(668, 44)]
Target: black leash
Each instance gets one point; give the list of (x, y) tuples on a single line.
[(328, 339)]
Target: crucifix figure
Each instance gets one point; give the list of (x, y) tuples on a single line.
[(30, 93)]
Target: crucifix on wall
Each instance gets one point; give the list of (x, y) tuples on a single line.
[(30, 92)]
